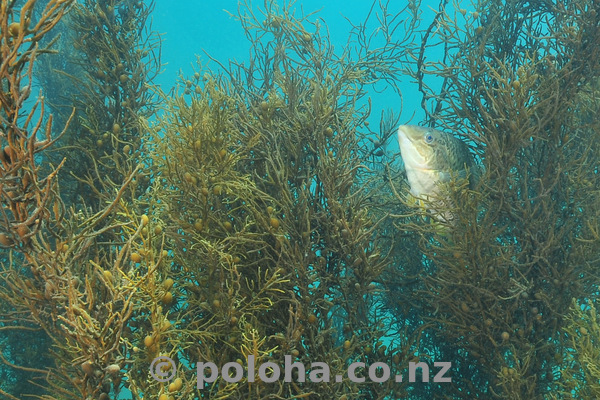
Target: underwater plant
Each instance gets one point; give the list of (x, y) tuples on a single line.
[(518, 84), (27, 193), (580, 372), (57, 277), (253, 211), (118, 55), (261, 243), (259, 169)]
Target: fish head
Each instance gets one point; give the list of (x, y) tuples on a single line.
[(431, 156)]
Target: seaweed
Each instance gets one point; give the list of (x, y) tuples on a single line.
[(253, 212), (518, 85), (259, 169)]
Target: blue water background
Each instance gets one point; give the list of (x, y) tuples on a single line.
[(191, 28)]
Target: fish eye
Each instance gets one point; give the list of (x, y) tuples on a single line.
[(428, 138)]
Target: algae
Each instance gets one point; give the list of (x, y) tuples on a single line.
[(254, 211)]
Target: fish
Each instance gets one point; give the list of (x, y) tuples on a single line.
[(432, 157)]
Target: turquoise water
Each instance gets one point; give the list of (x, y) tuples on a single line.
[(191, 28)]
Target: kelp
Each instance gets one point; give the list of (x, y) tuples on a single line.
[(254, 237), (253, 211), (259, 168), (517, 82), (64, 273)]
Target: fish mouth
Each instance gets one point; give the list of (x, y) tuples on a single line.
[(403, 134), (405, 140), (411, 153)]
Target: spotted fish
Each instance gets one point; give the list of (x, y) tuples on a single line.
[(432, 157)]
